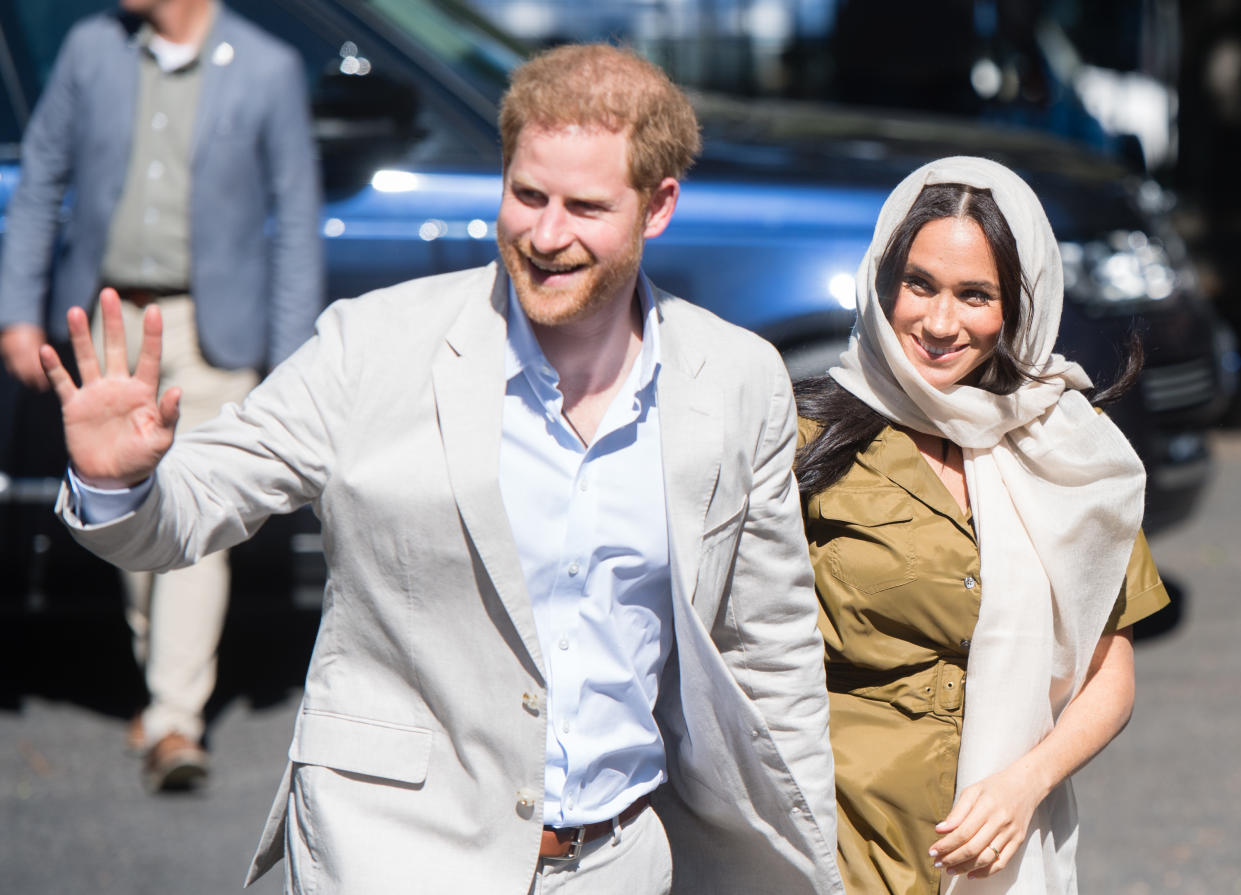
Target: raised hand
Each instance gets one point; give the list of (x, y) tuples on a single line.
[(116, 426)]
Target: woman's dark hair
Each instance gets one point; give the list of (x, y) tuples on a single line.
[(848, 424)]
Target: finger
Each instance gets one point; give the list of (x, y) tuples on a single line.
[(957, 826), (170, 407), (56, 374), (83, 347), (973, 854), (963, 806), (147, 370), (116, 358), (998, 862)]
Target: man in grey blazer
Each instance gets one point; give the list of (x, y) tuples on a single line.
[(181, 130), (568, 641)]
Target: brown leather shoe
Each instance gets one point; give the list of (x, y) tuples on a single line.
[(174, 763), (135, 736)]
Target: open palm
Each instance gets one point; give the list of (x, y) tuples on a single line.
[(116, 426)]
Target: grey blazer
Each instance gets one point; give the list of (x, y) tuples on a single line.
[(418, 756), (257, 288)]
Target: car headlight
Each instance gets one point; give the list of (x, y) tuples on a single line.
[(1123, 268)]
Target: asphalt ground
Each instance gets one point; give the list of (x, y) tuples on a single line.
[(1161, 807)]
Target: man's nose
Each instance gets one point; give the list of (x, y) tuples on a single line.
[(551, 231)]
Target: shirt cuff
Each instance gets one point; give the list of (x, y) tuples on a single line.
[(98, 506)]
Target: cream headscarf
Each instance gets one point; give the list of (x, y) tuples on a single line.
[(1056, 492)]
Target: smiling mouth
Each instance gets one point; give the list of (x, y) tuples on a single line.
[(547, 268), (939, 353)]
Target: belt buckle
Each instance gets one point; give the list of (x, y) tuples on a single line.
[(575, 847)]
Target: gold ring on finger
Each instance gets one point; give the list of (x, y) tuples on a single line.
[(996, 850)]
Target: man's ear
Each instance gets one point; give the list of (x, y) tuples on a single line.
[(659, 207)]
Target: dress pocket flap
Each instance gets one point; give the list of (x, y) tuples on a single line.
[(862, 507), (362, 746)]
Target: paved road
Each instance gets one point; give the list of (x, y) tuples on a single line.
[(1160, 807)]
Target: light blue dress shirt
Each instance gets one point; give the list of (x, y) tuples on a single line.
[(591, 529), (592, 534)]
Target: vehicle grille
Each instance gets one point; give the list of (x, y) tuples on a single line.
[(1178, 386)]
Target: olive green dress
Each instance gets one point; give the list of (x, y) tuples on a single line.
[(896, 569)]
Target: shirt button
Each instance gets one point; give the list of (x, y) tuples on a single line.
[(156, 170), (564, 727), (564, 643), (965, 644), (970, 582), (583, 485), (159, 121), (530, 702), (574, 568)]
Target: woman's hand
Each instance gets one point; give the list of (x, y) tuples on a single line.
[(996, 811), (988, 823)]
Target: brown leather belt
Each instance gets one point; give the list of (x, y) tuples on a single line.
[(142, 297), (565, 843)]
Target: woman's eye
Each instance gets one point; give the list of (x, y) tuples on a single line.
[(917, 284)]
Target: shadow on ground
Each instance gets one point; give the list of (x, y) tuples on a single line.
[(86, 661)]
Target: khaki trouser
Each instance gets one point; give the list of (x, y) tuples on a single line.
[(177, 617)]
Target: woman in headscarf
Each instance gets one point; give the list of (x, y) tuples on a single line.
[(970, 515)]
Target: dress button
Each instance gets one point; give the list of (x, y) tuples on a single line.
[(574, 568), (970, 582), (564, 643)]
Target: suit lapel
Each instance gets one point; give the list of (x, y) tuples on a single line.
[(218, 59), (468, 377), (691, 434)]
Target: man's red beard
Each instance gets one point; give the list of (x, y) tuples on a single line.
[(593, 283)]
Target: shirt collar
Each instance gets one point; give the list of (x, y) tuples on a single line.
[(522, 350), (181, 58)]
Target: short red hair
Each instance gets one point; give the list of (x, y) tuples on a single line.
[(600, 86)]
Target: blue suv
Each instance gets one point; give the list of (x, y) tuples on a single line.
[(771, 226)]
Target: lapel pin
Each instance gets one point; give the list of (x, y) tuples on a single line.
[(223, 53)]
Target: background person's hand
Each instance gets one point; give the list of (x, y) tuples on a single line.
[(116, 426), (995, 811), (19, 346)]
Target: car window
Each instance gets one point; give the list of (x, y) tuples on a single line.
[(31, 32), (372, 106), (475, 52)]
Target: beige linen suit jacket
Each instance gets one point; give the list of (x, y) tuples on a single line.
[(417, 759)]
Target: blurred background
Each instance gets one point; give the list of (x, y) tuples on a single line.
[(1125, 116)]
